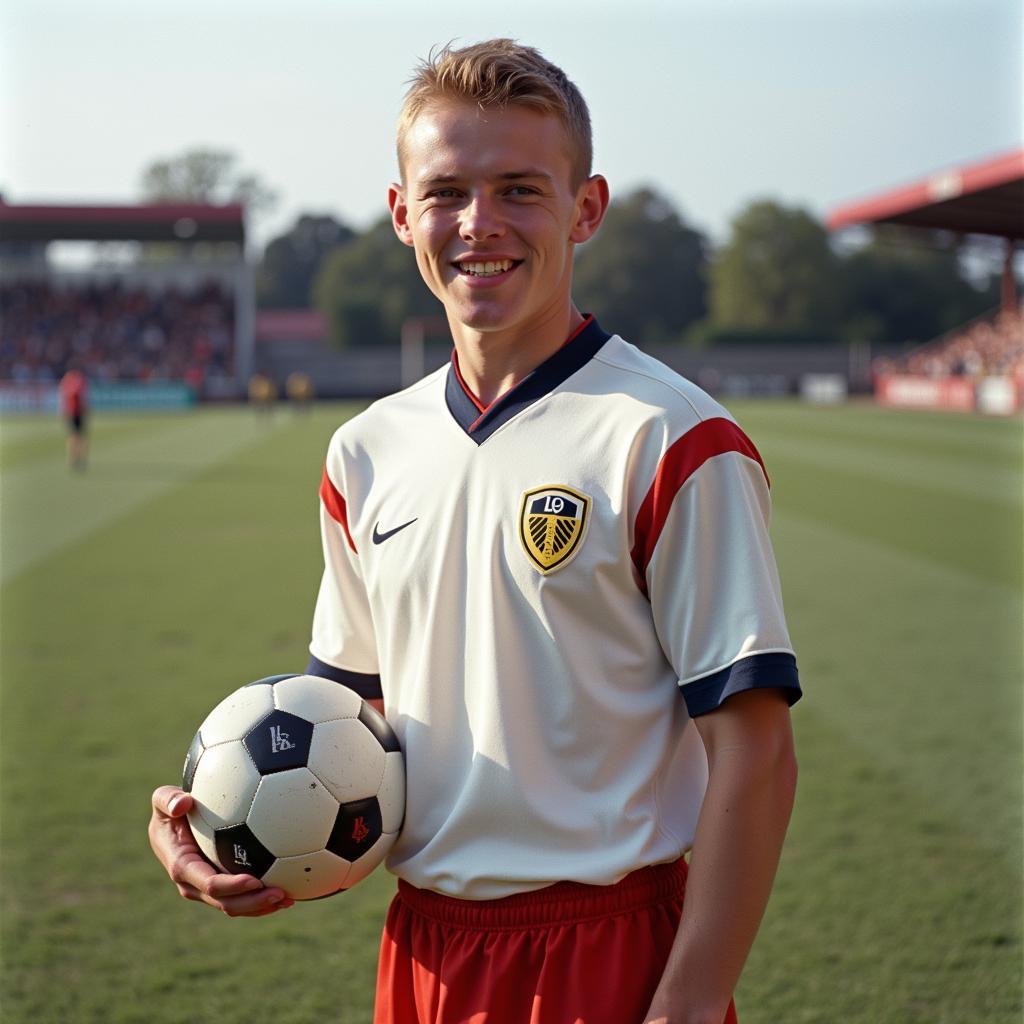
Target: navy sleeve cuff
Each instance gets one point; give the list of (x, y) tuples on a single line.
[(759, 671), (366, 685)]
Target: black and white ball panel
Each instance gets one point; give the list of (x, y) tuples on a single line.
[(188, 772), (391, 794), (234, 716), (241, 853), (378, 725), (291, 813), (348, 759), (278, 742), (270, 680), (369, 860), (316, 700), (356, 829), (310, 876), (224, 785)]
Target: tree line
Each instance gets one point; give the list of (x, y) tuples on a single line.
[(649, 275)]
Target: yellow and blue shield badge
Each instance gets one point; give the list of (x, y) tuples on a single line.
[(552, 523)]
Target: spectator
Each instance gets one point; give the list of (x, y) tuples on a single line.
[(987, 348), (118, 332)]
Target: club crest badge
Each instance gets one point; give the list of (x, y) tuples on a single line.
[(552, 523)]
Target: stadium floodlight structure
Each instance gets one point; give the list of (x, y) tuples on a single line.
[(985, 198), (27, 230)]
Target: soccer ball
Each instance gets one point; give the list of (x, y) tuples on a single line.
[(298, 781)]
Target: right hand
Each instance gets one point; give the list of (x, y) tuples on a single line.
[(175, 847)]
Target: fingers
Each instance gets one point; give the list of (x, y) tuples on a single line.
[(220, 886), (254, 904), (171, 801), (237, 898), (194, 877)]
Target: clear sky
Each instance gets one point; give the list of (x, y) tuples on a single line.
[(815, 102)]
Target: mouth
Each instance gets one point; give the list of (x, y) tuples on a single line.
[(486, 268)]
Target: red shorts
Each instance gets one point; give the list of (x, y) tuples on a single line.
[(566, 954)]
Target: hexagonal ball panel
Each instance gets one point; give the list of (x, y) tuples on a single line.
[(292, 813), (356, 830), (234, 716), (316, 700), (309, 877), (391, 795), (378, 725), (347, 758), (279, 742), (188, 771), (370, 860), (224, 784), (240, 852)]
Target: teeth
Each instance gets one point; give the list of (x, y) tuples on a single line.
[(487, 269)]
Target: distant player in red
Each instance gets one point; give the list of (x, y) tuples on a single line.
[(549, 564), (74, 401)]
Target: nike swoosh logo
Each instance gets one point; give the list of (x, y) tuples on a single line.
[(379, 538)]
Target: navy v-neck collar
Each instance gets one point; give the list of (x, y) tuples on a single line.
[(479, 423)]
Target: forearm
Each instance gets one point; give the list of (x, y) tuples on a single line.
[(735, 855)]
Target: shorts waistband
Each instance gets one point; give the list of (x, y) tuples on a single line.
[(561, 903)]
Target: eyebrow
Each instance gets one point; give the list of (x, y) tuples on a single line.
[(448, 179)]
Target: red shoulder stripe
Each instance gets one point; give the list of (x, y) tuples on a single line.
[(335, 505), (683, 458)]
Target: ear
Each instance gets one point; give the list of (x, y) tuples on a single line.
[(591, 205), (399, 212)]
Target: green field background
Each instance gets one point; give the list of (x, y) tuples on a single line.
[(185, 562)]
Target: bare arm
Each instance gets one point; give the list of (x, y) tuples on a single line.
[(752, 780)]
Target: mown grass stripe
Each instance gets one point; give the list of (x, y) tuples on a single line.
[(46, 506), (917, 664), (967, 435), (943, 475), (964, 531), (24, 441)]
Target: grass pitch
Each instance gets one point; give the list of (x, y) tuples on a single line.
[(186, 561)]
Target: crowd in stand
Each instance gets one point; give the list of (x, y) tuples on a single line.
[(987, 348), (115, 331)]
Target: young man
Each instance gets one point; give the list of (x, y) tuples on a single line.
[(549, 561)]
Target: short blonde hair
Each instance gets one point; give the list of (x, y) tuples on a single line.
[(497, 73)]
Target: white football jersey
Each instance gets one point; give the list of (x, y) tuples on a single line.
[(545, 592)]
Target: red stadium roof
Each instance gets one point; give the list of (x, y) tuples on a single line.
[(171, 222), (985, 198)]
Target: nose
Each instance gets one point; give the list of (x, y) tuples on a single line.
[(480, 219)]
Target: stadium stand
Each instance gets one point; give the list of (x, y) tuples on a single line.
[(987, 347), (179, 314), (116, 331), (979, 366)]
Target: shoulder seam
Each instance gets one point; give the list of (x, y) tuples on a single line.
[(600, 358)]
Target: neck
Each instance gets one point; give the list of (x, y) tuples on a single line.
[(493, 362)]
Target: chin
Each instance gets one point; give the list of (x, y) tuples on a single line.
[(482, 318)]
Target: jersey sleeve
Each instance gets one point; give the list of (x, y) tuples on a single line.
[(704, 559), (343, 646)]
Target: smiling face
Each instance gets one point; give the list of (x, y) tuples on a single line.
[(489, 206)]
